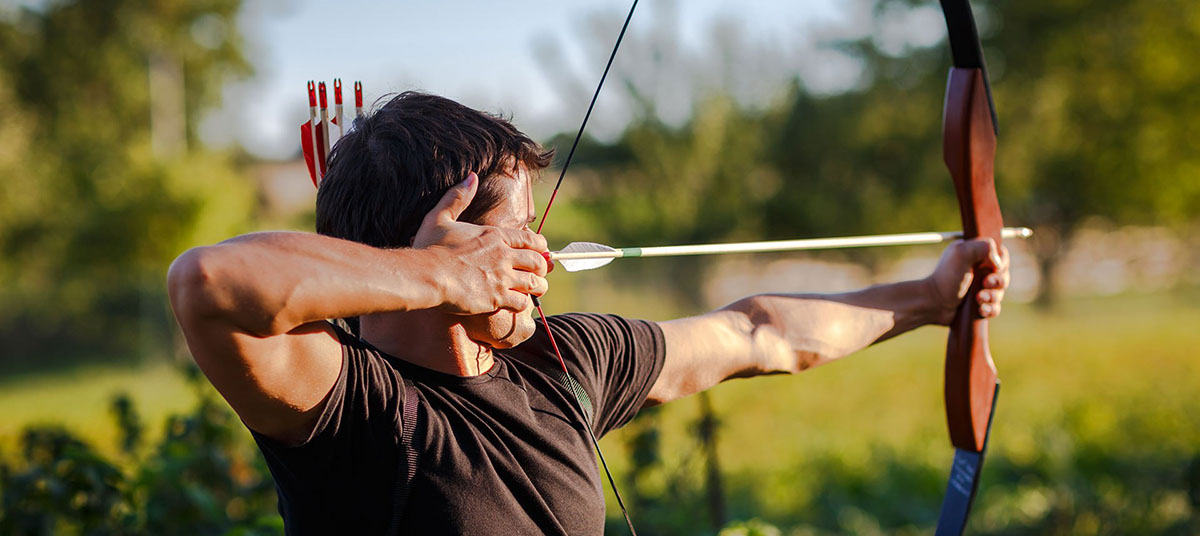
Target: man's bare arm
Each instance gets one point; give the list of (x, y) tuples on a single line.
[(253, 308), (789, 333)]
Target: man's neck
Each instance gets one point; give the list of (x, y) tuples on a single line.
[(428, 339)]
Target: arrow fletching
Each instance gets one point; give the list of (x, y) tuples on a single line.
[(597, 255)]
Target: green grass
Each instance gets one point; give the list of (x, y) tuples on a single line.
[(1120, 372), (79, 399)]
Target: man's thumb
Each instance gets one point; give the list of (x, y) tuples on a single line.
[(982, 251), (457, 198)]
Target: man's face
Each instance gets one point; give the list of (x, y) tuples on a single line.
[(505, 329)]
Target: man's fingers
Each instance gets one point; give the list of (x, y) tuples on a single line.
[(455, 200), (994, 285), (989, 310), (998, 279), (980, 251), (531, 283), (540, 286), (514, 301), (530, 261), (521, 239), (990, 296), (524, 285)]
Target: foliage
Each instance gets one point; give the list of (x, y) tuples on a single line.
[(98, 201), (753, 527), (1095, 108), (1098, 102), (63, 483), (199, 479)]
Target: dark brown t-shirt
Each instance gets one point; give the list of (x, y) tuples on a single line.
[(501, 453)]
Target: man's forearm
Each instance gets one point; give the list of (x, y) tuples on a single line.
[(908, 305), (269, 283), (783, 333), (799, 331)]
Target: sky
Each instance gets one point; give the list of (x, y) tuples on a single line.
[(538, 61)]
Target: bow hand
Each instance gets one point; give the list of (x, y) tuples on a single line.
[(951, 281)]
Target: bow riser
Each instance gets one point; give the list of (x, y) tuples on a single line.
[(969, 149)]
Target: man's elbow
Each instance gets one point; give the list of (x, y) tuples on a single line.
[(208, 284), (781, 339), (190, 286)]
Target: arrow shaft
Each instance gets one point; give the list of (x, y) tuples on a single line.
[(903, 239)]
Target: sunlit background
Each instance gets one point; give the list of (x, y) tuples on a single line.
[(133, 130)]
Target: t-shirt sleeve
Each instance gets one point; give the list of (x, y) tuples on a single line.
[(616, 359), (358, 432)]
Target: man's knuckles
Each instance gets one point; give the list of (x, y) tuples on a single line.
[(539, 286)]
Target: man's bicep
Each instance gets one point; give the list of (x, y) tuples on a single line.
[(276, 384), (705, 350)]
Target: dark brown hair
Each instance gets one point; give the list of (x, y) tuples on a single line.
[(395, 164)]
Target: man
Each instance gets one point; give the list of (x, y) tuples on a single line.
[(438, 272)]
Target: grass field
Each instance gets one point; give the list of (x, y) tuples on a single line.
[(1119, 374), (1112, 380), (1099, 357), (79, 399)]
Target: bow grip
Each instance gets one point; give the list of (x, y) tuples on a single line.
[(969, 147)]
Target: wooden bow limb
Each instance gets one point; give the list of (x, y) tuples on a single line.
[(969, 148)]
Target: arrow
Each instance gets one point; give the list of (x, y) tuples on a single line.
[(579, 256), (337, 104), (315, 134), (308, 136), (323, 131), (358, 107)]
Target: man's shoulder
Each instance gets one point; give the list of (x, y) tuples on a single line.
[(606, 325), (583, 320), (585, 337)]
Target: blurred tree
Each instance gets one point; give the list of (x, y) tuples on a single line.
[(105, 182), (1096, 106), (861, 162), (700, 182), (666, 180), (1098, 109), (760, 164)]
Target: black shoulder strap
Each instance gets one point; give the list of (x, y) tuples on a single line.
[(406, 469)]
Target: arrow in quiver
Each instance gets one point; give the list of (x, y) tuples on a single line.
[(316, 134)]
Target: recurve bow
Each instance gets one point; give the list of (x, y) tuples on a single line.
[(969, 131)]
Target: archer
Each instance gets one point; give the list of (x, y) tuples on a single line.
[(441, 368)]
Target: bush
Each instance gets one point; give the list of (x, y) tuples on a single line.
[(198, 480)]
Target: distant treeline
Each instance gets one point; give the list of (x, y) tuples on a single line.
[(106, 180)]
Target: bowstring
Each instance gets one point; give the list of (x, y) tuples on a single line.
[(586, 116), (537, 303), (587, 425)]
